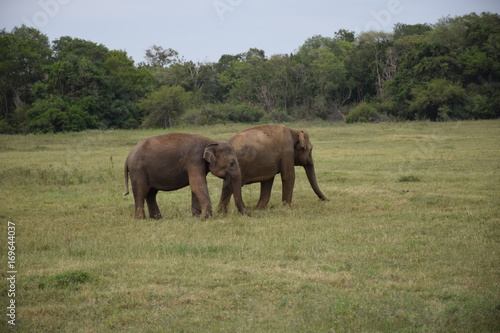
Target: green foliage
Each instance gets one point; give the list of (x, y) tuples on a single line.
[(59, 115), (329, 72), (399, 72), (128, 85), (438, 100), (403, 30), (363, 113), (157, 56), (484, 105), (456, 54), (164, 106), (24, 53), (82, 86), (223, 113), (242, 113)]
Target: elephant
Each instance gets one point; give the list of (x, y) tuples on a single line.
[(263, 152), (172, 161)]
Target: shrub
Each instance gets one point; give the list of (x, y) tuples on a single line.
[(278, 116), (5, 127), (438, 99), (243, 113), (363, 113), (164, 106), (59, 115)]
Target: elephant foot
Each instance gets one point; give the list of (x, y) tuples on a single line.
[(262, 204), (222, 210), (205, 216), (139, 214)]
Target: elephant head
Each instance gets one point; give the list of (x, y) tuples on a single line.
[(224, 164), (303, 157)]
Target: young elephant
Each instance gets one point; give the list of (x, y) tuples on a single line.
[(172, 161), (263, 152)]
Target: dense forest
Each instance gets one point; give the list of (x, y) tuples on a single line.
[(449, 70)]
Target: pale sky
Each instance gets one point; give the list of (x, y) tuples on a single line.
[(203, 30)]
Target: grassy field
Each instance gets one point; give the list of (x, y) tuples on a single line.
[(410, 241)]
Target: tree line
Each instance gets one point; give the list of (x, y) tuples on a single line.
[(443, 71)]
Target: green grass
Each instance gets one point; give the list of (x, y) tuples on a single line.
[(410, 241)]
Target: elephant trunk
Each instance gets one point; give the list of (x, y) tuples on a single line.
[(238, 199), (311, 176)]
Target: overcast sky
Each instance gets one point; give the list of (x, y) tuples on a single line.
[(203, 30)]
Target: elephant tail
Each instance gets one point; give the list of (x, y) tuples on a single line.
[(126, 179)]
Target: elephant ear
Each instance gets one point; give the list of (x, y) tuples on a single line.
[(302, 139), (209, 153)]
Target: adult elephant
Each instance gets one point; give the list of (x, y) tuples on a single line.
[(172, 161), (263, 152)]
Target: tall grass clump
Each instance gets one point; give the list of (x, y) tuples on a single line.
[(409, 179)]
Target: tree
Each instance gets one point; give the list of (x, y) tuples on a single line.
[(345, 35), (243, 80), (440, 99), (157, 56), (379, 60), (447, 70), (254, 54), (127, 85), (311, 44), (327, 80), (164, 106), (102, 83), (24, 53), (78, 76), (82, 85), (59, 114), (329, 75), (403, 30)]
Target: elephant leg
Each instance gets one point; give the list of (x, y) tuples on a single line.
[(225, 197), (265, 193), (139, 196), (199, 188), (154, 211), (288, 182), (195, 205)]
